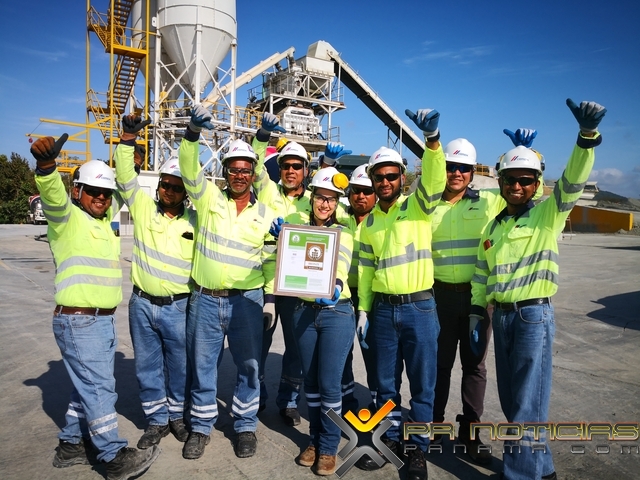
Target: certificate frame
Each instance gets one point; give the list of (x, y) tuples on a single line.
[(307, 261)]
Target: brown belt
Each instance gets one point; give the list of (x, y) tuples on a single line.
[(217, 293), (96, 312), (454, 287)]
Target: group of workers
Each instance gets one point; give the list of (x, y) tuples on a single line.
[(418, 276)]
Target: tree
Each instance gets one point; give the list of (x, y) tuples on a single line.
[(17, 184)]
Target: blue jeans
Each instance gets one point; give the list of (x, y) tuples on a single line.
[(406, 335), (291, 373), (523, 347), (88, 347), (160, 348), (239, 317), (324, 338)]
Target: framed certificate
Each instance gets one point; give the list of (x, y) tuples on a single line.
[(307, 261)]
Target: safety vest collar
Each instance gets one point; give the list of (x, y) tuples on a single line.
[(252, 196), (297, 197), (524, 211), (160, 210)]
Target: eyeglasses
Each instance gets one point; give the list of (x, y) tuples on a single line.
[(452, 167), (359, 190), (320, 199), (96, 192), (523, 181), (295, 166), (171, 186), (245, 172), (390, 177)]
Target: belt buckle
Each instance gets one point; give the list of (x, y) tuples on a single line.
[(395, 299)]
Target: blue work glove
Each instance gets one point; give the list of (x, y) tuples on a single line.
[(276, 226), (200, 118), (330, 302), (588, 114), (271, 123), (426, 120), (522, 136), (476, 339), (362, 327), (335, 150)]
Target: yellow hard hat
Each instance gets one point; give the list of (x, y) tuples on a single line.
[(281, 143)]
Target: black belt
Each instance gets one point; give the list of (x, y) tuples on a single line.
[(60, 310), (217, 293), (454, 287), (522, 303), (160, 301), (401, 298), (320, 307)]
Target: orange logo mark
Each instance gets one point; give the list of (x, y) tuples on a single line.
[(364, 415)]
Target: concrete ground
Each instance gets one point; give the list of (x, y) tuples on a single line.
[(596, 376)]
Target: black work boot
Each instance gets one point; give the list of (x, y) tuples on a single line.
[(68, 454), (194, 448), (152, 436), (179, 430), (130, 462), (291, 416), (366, 463), (245, 445), (417, 465), (479, 455)]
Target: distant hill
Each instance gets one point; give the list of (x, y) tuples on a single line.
[(613, 200)]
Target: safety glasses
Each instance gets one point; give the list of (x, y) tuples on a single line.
[(359, 190), (170, 186), (295, 166), (523, 181), (96, 192), (235, 172), (452, 167), (320, 199), (390, 177)]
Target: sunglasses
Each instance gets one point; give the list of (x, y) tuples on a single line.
[(452, 167), (523, 181), (295, 166), (245, 172), (96, 192), (390, 177), (359, 190), (320, 199), (170, 186)]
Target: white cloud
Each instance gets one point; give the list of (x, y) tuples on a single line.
[(461, 56), (617, 181)]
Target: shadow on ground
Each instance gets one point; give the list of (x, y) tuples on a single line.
[(619, 310)]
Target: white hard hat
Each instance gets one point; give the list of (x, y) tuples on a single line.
[(520, 157), (293, 149), (239, 149), (460, 151), (331, 179), (171, 167), (384, 156), (97, 174), (359, 176)]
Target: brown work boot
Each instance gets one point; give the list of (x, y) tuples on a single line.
[(130, 462), (308, 457), (326, 465)]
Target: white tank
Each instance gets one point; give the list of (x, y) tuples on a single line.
[(177, 21)]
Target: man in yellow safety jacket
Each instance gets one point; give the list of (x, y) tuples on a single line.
[(231, 266), (160, 272), (517, 272), (88, 289)]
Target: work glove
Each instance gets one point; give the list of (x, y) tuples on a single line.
[(330, 302), (522, 136), (362, 327), (476, 339), (276, 226), (45, 150), (200, 118), (271, 123), (131, 125), (588, 114), (426, 120), (335, 150), (269, 315)]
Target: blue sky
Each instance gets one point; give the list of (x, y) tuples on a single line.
[(484, 66)]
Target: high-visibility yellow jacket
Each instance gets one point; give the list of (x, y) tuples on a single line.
[(162, 246), (230, 250), (355, 227), (85, 250), (517, 258), (395, 247)]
